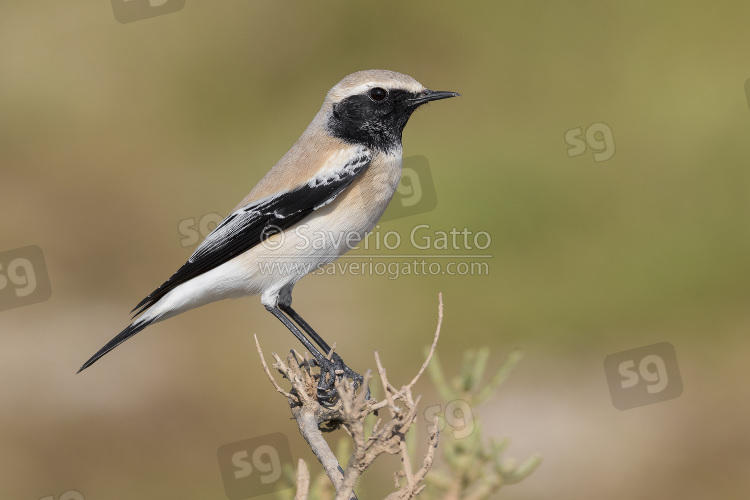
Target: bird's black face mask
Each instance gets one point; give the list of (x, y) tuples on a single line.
[(377, 117)]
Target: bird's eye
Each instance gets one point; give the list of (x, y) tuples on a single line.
[(378, 94)]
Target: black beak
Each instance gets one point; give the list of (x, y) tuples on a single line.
[(428, 95)]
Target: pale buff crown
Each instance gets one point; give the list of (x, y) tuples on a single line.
[(359, 82)]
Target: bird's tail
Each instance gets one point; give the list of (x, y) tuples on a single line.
[(135, 327)]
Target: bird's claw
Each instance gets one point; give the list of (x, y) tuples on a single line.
[(330, 370)]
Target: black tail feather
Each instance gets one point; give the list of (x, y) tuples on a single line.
[(124, 335)]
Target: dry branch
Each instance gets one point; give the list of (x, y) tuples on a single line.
[(349, 412)]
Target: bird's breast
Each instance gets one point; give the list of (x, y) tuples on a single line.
[(369, 195), (343, 223)]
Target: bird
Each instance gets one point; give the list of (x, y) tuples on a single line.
[(336, 181)]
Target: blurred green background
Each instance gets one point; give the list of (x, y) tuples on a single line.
[(111, 134)]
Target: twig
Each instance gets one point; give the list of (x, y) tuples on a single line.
[(268, 372), (303, 481), (430, 353), (434, 342)]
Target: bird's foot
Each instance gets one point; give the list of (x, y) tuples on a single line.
[(330, 370)]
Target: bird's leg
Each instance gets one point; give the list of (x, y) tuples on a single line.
[(305, 326), (356, 377), (329, 369)]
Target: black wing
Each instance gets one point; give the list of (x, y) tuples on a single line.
[(257, 221)]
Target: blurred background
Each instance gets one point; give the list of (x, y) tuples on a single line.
[(603, 147)]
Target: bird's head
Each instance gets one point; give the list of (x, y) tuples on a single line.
[(372, 107)]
